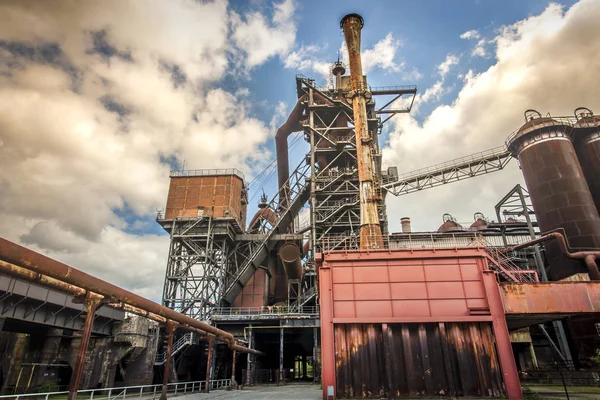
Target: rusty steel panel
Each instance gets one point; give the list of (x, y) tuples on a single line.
[(551, 298), (445, 286), (431, 359), (216, 196), (255, 292)]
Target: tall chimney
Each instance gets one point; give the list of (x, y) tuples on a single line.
[(406, 228), (370, 230)]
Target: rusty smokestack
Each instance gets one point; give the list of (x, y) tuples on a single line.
[(370, 230)]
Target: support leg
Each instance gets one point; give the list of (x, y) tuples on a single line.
[(209, 362), (503, 345), (281, 355), (171, 326), (233, 382), (91, 303)]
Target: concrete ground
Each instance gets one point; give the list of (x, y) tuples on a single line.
[(271, 392)]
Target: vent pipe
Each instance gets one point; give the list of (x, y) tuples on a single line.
[(370, 230), (406, 228)]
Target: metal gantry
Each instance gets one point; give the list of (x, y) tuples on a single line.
[(451, 171), (200, 254)]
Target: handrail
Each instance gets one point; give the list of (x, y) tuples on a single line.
[(141, 391), (207, 172)]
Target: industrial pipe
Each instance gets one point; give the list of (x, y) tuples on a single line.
[(370, 229), (290, 258), (292, 124), (588, 257), (26, 258), (262, 213)]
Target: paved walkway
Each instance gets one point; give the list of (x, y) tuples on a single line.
[(272, 392)]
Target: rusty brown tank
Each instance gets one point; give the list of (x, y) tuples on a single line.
[(558, 189), (586, 139), (449, 224), (479, 224)]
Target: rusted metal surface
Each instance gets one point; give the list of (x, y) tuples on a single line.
[(171, 327), (209, 353), (551, 298), (586, 139), (416, 360), (290, 258), (91, 302), (370, 229), (209, 195), (501, 337), (23, 257), (427, 304), (559, 192)]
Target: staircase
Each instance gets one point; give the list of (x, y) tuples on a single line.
[(304, 298), (334, 207), (179, 345), (297, 190), (511, 272)]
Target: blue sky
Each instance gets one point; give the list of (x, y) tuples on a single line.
[(92, 116)]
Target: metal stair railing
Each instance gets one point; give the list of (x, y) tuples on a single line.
[(505, 267), (294, 187), (335, 207), (179, 345)]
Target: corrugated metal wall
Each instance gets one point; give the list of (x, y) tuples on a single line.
[(429, 359)]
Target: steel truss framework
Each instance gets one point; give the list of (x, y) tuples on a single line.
[(452, 171), (334, 200), (201, 253)]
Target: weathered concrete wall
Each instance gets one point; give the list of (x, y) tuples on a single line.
[(124, 359)]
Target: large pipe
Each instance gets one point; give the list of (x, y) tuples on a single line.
[(588, 257), (291, 125), (370, 230), (29, 259), (262, 213), (290, 258)]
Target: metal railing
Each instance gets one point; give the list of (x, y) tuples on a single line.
[(208, 172), (266, 310), (140, 392)]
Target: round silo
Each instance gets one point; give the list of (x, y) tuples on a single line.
[(586, 139), (559, 193), (449, 224)]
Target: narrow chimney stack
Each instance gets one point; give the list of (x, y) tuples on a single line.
[(406, 228)]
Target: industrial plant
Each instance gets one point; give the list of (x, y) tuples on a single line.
[(330, 297)]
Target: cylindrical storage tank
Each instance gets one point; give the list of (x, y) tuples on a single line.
[(559, 193), (586, 139), (406, 227)]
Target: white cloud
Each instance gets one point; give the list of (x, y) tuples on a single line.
[(547, 62), (259, 39), (479, 49), (445, 66), (98, 100), (472, 34)]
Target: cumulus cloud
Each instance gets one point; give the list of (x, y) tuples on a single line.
[(472, 34), (98, 101), (445, 66), (259, 38), (546, 62)]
